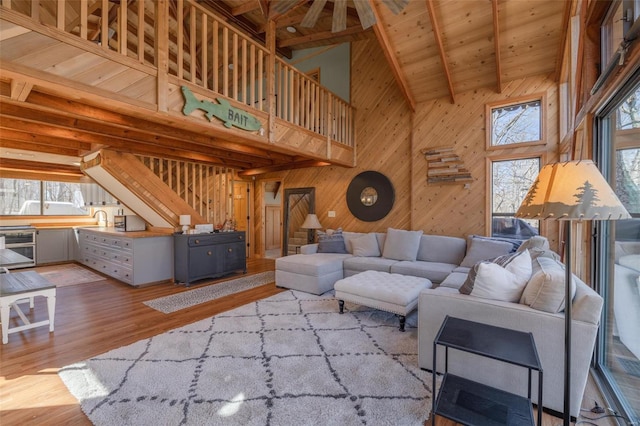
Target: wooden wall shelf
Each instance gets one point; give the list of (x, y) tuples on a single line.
[(444, 166)]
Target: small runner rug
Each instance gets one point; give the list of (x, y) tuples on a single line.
[(65, 275), (186, 299), (290, 359)]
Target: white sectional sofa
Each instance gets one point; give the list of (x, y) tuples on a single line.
[(451, 264)]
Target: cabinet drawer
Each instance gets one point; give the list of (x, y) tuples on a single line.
[(220, 238)]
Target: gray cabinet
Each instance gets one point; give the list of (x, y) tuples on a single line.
[(135, 261), (52, 245), (199, 256)]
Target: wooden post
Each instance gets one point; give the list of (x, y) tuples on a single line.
[(271, 86), (162, 53)]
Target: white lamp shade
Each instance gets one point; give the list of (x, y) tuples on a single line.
[(311, 222), (571, 190), (185, 219)]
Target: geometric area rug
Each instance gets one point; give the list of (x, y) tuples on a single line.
[(290, 359)]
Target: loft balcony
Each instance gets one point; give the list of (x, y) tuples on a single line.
[(80, 76)]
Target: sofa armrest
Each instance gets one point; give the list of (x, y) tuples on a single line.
[(548, 333), (309, 248)]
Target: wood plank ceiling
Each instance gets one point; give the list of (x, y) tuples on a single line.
[(435, 49)]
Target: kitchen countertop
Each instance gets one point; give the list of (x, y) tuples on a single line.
[(130, 234)]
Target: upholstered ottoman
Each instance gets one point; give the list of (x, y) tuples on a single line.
[(310, 273), (393, 293)]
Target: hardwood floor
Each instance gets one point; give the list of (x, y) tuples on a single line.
[(94, 318)]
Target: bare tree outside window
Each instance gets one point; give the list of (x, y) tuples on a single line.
[(518, 123)]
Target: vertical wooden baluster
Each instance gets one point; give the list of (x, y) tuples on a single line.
[(261, 78), (122, 28), (215, 53), (243, 65), (204, 50), (83, 19), (180, 39), (225, 61), (193, 37), (236, 65), (252, 75), (141, 31), (60, 14)]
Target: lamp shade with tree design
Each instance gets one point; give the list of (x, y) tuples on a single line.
[(574, 190)]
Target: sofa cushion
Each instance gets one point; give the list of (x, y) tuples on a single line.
[(479, 249), (331, 242), (313, 265), (434, 271), (442, 249), (545, 290), (365, 246), (505, 283), (348, 236), (454, 280), (503, 261), (401, 244), (361, 264)]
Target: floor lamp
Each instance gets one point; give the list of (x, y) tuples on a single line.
[(575, 190)]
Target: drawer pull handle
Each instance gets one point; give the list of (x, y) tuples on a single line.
[(197, 241), (209, 253), (230, 250)]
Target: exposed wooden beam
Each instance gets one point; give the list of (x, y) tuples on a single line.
[(37, 166), (320, 36), (563, 37), (247, 7), (443, 56), (383, 40), (20, 89), (46, 148), (281, 167), (496, 43)]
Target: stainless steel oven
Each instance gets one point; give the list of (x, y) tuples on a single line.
[(22, 240)]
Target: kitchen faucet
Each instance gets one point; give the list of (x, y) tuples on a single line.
[(97, 213)]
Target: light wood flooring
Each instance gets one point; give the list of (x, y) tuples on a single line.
[(96, 317)]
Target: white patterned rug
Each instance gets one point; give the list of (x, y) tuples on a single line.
[(186, 299), (291, 359)]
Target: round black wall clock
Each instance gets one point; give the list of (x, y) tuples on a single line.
[(370, 196)]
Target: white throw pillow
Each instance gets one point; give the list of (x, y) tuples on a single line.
[(365, 246), (401, 244), (506, 284), (545, 291)]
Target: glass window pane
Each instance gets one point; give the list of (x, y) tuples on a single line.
[(19, 197), (510, 181), (517, 123), (628, 178), (63, 198)]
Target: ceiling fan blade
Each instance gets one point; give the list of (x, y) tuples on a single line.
[(339, 22), (367, 18), (396, 6), (313, 14), (282, 6)]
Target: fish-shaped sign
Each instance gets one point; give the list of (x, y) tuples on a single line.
[(223, 110)]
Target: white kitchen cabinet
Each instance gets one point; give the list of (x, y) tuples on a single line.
[(52, 245)]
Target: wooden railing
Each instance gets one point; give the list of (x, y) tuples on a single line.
[(201, 48), (207, 189)]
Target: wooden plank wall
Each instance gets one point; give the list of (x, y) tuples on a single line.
[(389, 140), (451, 209)]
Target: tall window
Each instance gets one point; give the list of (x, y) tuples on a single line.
[(516, 123), (618, 246), (510, 181)]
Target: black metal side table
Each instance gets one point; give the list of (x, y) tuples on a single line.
[(471, 403)]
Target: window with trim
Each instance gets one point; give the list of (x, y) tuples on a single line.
[(27, 197), (515, 123), (510, 181)]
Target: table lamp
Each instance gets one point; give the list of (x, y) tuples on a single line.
[(574, 190), (185, 221), (311, 222)]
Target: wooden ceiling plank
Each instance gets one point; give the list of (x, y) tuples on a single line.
[(443, 57), (496, 43), (383, 40), (339, 22), (320, 36), (367, 18), (247, 7), (313, 14)]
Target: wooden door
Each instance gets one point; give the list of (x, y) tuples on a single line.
[(241, 205), (273, 227)]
